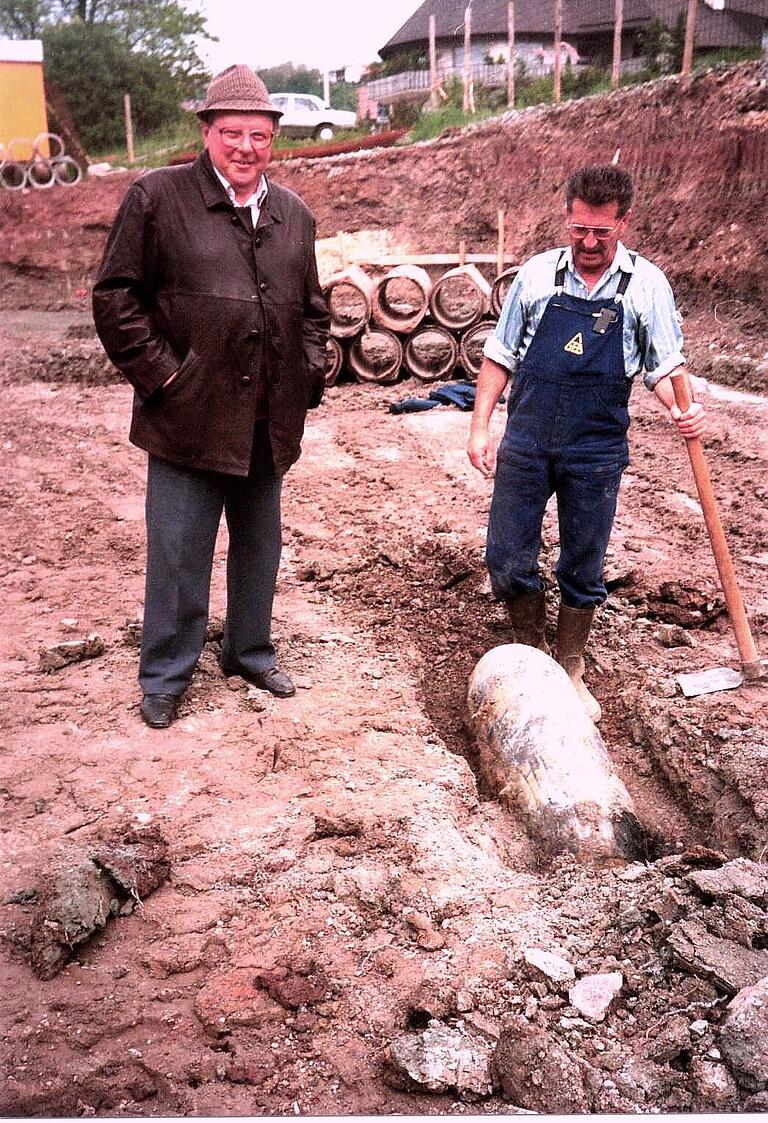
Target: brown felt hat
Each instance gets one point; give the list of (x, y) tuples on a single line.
[(239, 90)]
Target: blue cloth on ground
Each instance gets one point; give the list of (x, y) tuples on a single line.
[(460, 394)]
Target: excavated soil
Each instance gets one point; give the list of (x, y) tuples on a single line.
[(261, 909)]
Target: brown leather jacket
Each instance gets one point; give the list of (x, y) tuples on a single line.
[(185, 285)]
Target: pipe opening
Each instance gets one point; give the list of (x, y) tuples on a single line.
[(471, 347), (460, 297), (431, 353), (376, 356)]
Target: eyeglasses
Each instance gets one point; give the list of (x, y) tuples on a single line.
[(233, 138), (602, 233)]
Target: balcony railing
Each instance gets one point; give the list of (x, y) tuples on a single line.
[(413, 81)]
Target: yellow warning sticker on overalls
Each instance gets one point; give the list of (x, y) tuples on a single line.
[(575, 346)]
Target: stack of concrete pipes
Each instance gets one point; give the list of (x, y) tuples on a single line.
[(406, 323)]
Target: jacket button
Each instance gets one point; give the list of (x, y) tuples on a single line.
[(263, 286), (257, 242), (255, 333), (234, 220), (246, 380)]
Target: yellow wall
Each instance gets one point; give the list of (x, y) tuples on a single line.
[(22, 106)]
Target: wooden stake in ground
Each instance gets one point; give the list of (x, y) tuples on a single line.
[(469, 85), (434, 96), (618, 23), (690, 37), (558, 57), (500, 244), (512, 56), (128, 127)]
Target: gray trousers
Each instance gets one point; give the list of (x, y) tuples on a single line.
[(183, 512)]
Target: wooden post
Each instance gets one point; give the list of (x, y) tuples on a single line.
[(618, 21), (500, 245), (690, 38), (558, 58), (512, 55), (434, 97), (469, 85), (128, 127), (462, 252)]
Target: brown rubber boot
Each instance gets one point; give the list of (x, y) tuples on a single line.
[(573, 625), (528, 618)]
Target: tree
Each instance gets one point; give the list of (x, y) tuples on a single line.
[(163, 29), (291, 79), (93, 66)]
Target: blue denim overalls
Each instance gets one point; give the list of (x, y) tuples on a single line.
[(566, 434)]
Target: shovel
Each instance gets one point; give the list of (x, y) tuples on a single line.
[(752, 669)]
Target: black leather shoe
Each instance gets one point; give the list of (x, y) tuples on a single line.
[(159, 710), (276, 682)]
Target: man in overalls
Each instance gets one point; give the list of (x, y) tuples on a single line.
[(577, 325)]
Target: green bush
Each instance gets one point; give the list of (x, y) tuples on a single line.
[(94, 67)]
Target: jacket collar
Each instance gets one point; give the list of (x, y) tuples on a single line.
[(214, 194)]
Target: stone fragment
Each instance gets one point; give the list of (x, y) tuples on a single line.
[(295, 985), (440, 1058), (58, 655), (741, 878), (428, 936), (552, 966), (72, 904), (137, 860), (593, 995), (713, 1086), (744, 1036), (727, 964), (536, 1073), (672, 635)]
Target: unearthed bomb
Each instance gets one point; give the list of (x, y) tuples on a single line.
[(540, 753)]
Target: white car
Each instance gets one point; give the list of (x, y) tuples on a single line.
[(307, 115)]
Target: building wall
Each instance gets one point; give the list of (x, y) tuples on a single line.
[(22, 96)]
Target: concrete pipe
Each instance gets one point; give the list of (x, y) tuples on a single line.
[(541, 755), (501, 288), (431, 353), (13, 175), (460, 297), (350, 299), (376, 356), (401, 299), (335, 353), (471, 346)]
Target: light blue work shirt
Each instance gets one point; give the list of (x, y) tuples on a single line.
[(652, 337)]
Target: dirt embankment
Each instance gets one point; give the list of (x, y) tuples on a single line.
[(314, 906)]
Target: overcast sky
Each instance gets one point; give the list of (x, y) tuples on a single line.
[(322, 34)]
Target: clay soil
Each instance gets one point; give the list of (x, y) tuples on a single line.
[(338, 874)]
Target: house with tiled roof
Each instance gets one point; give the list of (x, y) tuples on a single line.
[(587, 25)]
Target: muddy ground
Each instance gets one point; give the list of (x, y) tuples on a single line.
[(335, 884)]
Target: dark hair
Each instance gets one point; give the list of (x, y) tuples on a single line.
[(598, 184)]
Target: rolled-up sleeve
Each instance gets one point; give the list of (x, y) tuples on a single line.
[(660, 335), (503, 343)]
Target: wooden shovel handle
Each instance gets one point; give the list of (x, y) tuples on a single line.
[(750, 661)]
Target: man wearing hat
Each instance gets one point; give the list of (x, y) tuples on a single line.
[(208, 301)]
